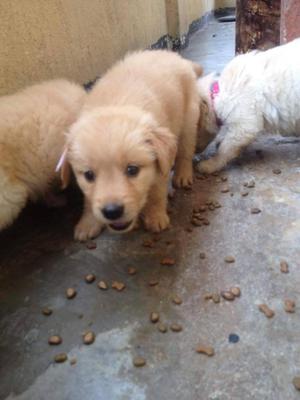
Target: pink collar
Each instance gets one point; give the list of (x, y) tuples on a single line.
[(214, 91)]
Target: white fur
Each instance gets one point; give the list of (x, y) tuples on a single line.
[(259, 92)]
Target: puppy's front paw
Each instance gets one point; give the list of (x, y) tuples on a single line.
[(183, 178), (87, 228), (208, 166), (156, 221)]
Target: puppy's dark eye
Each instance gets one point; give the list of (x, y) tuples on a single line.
[(89, 176), (132, 170)]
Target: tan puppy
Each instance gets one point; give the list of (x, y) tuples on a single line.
[(124, 144), (32, 127)]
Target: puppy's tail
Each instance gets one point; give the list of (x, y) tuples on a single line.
[(197, 69)]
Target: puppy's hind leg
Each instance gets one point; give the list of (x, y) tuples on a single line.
[(229, 148), (155, 214), (183, 174)]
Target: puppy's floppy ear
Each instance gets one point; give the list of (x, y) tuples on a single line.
[(164, 145), (65, 169)]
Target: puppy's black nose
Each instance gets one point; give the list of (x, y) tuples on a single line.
[(113, 211)]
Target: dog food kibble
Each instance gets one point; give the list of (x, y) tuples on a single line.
[(208, 296), (217, 204), (276, 171), (168, 261), (47, 311), (225, 189), (289, 306), (266, 310), (176, 299), (296, 382), (227, 295), (284, 267), (73, 361), (153, 282), (205, 221), (208, 350), (229, 259), (71, 293), (139, 361), (132, 271), (216, 298), (189, 229), (102, 285), (255, 210), (162, 328), (91, 245), (89, 278), (224, 178), (202, 209), (154, 317), (196, 222), (211, 207), (236, 291), (55, 340), (89, 337), (119, 286), (60, 358), (202, 256), (148, 243), (244, 193), (176, 327)]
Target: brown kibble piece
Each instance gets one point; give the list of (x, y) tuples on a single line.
[(229, 259), (289, 306), (205, 221), (47, 311), (208, 350), (202, 209), (102, 285), (225, 189), (89, 337), (119, 286), (266, 310), (55, 340), (202, 256), (216, 298), (244, 193), (196, 222), (167, 261), (89, 278), (71, 293), (132, 271), (189, 229), (176, 327), (284, 267), (208, 296), (60, 358), (227, 295), (139, 361), (148, 243), (154, 317), (236, 291), (153, 282), (296, 382), (276, 171), (255, 210), (162, 328), (91, 245), (224, 178), (176, 299)]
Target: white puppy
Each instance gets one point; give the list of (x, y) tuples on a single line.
[(33, 124), (257, 92)]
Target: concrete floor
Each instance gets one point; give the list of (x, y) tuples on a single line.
[(39, 261)]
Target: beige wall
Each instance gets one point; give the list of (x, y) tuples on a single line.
[(76, 39), (80, 39)]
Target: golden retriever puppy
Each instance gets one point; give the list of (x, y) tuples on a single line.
[(138, 119), (257, 92), (33, 123)]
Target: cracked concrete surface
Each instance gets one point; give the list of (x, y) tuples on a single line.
[(39, 260)]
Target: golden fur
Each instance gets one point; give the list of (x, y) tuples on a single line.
[(142, 113), (32, 127)]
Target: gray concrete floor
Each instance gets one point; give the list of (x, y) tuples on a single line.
[(39, 260)]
